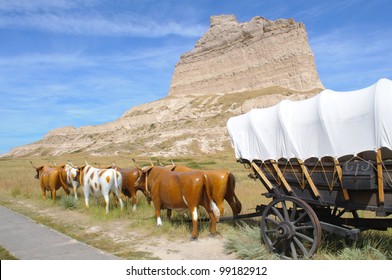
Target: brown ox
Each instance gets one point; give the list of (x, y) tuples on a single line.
[(51, 179), (129, 177), (223, 185), (179, 191)]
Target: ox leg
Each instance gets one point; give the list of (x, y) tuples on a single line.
[(133, 195), (106, 197), (121, 202), (168, 214), (53, 193), (195, 230), (157, 207), (75, 192), (212, 223), (117, 194), (86, 196), (158, 216), (43, 191)]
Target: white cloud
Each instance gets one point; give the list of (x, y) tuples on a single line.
[(347, 59), (97, 24)]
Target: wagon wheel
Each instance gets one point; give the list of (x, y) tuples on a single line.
[(290, 228)]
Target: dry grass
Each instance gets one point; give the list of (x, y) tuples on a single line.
[(20, 191)]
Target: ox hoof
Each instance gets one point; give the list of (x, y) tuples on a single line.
[(193, 238)]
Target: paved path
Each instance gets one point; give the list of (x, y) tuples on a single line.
[(27, 240)]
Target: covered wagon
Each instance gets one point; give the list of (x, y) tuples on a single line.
[(322, 160)]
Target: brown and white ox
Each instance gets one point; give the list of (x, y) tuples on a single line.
[(51, 178), (97, 181), (179, 191), (72, 177), (222, 185)]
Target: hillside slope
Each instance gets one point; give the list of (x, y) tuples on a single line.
[(172, 126)]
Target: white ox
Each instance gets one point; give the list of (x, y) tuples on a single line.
[(72, 173), (97, 181)]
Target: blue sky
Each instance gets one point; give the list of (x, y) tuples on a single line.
[(86, 62)]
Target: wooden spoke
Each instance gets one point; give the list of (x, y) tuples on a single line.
[(290, 228)]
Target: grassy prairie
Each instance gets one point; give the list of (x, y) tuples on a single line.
[(21, 192)]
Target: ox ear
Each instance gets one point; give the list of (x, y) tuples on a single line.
[(146, 169)]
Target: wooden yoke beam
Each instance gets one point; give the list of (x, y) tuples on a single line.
[(308, 178), (338, 169), (380, 180)]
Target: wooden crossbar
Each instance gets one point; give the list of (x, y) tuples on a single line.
[(338, 169), (281, 177), (380, 180), (267, 182), (305, 172)]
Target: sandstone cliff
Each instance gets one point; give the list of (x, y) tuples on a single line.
[(233, 68), (233, 57)]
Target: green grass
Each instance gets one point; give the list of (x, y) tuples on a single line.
[(5, 255)]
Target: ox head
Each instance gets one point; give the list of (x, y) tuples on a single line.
[(37, 169), (80, 172), (142, 182)]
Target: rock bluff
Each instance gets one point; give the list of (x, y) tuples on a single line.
[(235, 57)]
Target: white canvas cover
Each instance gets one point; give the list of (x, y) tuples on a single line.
[(329, 124)]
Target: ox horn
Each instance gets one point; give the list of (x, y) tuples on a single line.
[(172, 162), (32, 164), (134, 161), (152, 164), (159, 162)]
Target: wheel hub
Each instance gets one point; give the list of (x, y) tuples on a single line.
[(285, 230)]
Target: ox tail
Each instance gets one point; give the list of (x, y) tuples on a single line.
[(64, 184), (231, 185), (213, 206), (118, 185)]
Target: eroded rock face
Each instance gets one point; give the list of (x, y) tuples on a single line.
[(235, 57)]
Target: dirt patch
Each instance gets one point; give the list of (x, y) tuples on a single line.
[(121, 237)]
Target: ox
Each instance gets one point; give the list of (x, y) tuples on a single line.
[(51, 179), (223, 185), (129, 177), (97, 181), (72, 173), (179, 191)]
